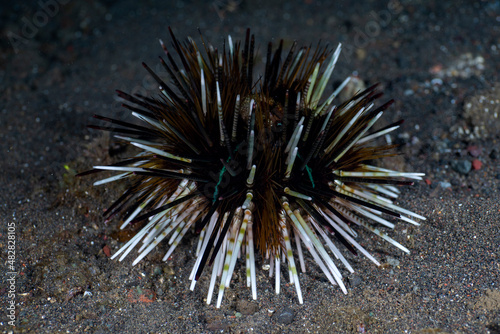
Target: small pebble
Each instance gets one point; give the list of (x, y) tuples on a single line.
[(461, 166), (157, 270), (106, 250), (355, 280), (474, 151), (392, 261), (476, 164), (445, 185), (285, 316), (246, 307)]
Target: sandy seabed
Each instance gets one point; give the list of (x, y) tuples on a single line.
[(60, 62)]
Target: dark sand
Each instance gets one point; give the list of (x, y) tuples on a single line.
[(436, 58)]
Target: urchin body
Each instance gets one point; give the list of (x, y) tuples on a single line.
[(254, 164)]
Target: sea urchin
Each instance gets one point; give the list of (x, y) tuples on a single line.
[(254, 163)]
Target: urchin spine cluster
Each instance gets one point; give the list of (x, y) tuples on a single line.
[(254, 164)]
